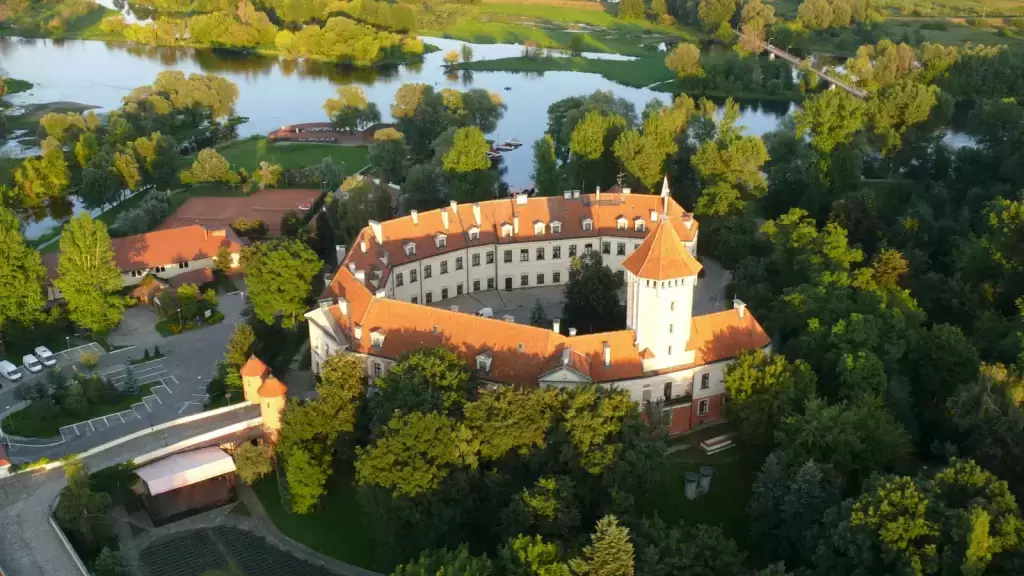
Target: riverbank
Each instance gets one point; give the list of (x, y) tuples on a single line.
[(638, 73)]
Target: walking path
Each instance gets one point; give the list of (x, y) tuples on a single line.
[(858, 92)]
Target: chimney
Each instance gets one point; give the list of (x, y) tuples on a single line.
[(572, 331), (565, 356), (521, 199), (567, 194), (556, 324), (362, 246), (380, 294), (352, 267), (360, 275), (378, 233), (740, 306), (626, 190), (455, 206), (415, 216), (357, 331), (476, 213), (654, 216), (607, 353), (343, 306), (597, 193), (509, 318), (687, 220), (454, 307), (339, 252), (327, 278), (576, 194), (444, 217), (515, 224)]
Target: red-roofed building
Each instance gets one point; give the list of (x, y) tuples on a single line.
[(187, 250), (372, 305)]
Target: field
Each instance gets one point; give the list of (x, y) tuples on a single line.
[(31, 23), (336, 528), (981, 8), (27, 423), (246, 154)]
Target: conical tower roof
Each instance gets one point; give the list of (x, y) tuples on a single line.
[(662, 255)]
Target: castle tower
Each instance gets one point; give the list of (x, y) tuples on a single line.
[(273, 399), (660, 279), (253, 373)]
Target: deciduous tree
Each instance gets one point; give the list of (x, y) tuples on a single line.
[(351, 110), (684, 60), (763, 390), (545, 174), (209, 166), (88, 276), (253, 462), (279, 275), (468, 151), (631, 9), (21, 276), (714, 13), (592, 295)]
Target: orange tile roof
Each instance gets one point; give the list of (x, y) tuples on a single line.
[(254, 367), (198, 276), (723, 335), (662, 256), (272, 388), (488, 217), (164, 247)]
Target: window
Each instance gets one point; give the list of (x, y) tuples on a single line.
[(556, 252), (377, 369), (506, 230), (636, 246), (705, 381), (426, 272), (490, 283), (668, 391), (182, 265), (475, 261), (556, 277), (620, 224), (412, 276), (646, 394), (538, 228), (476, 285), (444, 266), (666, 418), (458, 289), (415, 300), (620, 249), (508, 256), (587, 248), (621, 274), (671, 328), (588, 225), (444, 293), (483, 362), (399, 280), (474, 233), (524, 255), (540, 278), (606, 247), (672, 306), (524, 280), (669, 350), (430, 297), (490, 257), (639, 225), (410, 249), (458, 263), (572, 250), (556, 227), (442, 241), (702, 408), (540, 253)]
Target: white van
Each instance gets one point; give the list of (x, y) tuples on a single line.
[(9, 371), (45, 356), (31, 363)]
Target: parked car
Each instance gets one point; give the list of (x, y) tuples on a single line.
[(9, 371), (32, 364), (45, 356)]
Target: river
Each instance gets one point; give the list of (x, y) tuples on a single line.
[(274, 92)]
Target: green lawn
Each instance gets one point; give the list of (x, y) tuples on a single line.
[(724, 505), (245, 154), (337, 528), (27, 423), (638, 73)]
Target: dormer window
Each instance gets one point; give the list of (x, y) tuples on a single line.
[(588, 224), (441, 240), (620, 223), (474, 233), (639, 225), (506, 230), (538, 227), (410, 249), (377, 339), (556, 227), (483, 362)]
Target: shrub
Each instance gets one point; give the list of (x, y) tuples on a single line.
[(89, 360), (253, 462)]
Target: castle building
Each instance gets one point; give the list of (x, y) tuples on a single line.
[(375, 303)]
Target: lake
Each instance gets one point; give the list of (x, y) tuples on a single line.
[(275, 92)]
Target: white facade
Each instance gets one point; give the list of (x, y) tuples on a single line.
[(661, 313)]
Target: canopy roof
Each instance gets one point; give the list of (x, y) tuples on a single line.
[(184, 469)]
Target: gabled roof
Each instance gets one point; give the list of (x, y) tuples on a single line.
[(163, 247), (661, 256)]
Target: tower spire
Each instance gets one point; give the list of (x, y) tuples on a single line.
[(664, 198)]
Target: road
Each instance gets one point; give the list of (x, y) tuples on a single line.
[(179, 379), (28, 544)]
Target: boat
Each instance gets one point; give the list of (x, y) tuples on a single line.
[(493, 155), (508, 145)]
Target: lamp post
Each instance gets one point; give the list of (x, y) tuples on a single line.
[(67, 343), (180, 323)]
